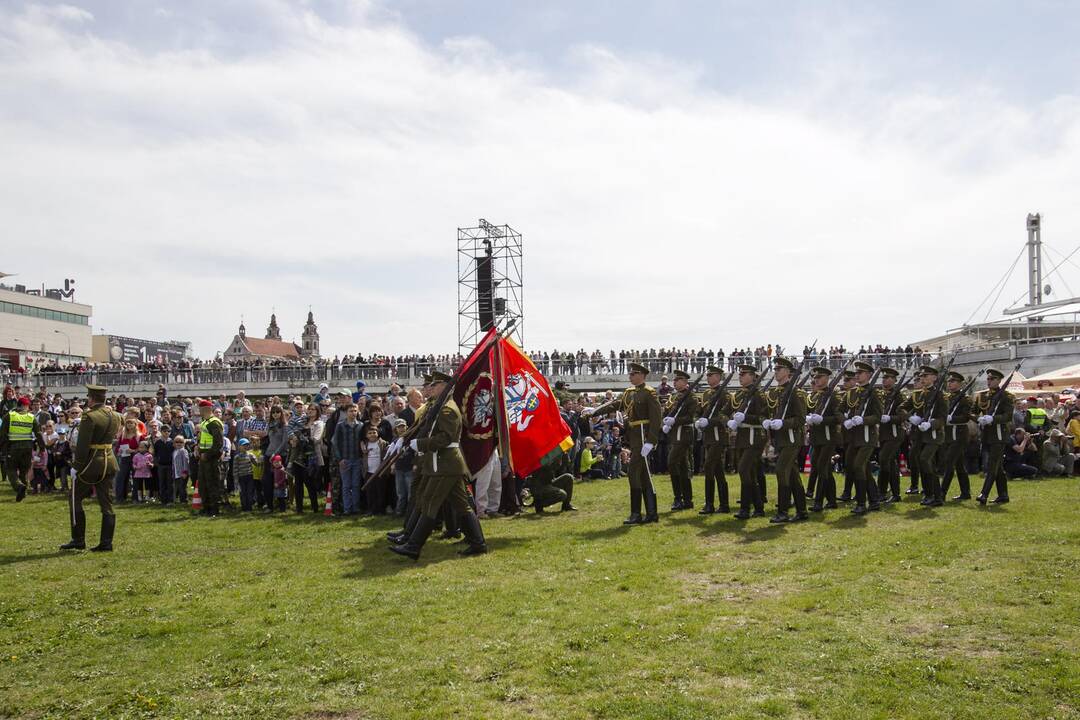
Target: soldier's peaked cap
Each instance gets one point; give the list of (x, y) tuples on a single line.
[(861, 366), (713, 370), (783, 362), (438, 376), (849, 373), (953, 375), (929, 370), (427, 378), (748, 369), (994, 372), (635, 367), (682, 374), (96, 390), (820, 371), (890, 372)]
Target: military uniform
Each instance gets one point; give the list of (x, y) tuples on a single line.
[(19, 435), (552, 484), (956, 440), (996, 410), (863, 410), (446, 475), (416, 486), (747, 409), (891, 436), (641, 411), (682, 408), (788, 440), (714, 433), (95, 466), (927, 418), (825, 436), (211, 444)]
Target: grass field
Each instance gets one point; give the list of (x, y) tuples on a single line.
[(961, 612)]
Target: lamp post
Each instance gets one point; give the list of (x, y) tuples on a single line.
[(26, 351), (61, 332)]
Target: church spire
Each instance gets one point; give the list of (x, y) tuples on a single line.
[(272, 330)]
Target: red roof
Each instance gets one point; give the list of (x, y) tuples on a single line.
[(273, 348)]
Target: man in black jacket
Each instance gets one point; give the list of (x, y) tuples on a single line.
[(344, 399)]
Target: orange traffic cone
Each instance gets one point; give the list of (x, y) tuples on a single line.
[(329, 511), (903, 466), (806, 464), (196, 499)]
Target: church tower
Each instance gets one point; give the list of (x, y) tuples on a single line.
[(272, 331), (310, 338), (243, 330)]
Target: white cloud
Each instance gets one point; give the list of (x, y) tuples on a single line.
[(333, 169)]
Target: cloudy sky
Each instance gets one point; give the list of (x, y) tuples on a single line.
[(717, 173)]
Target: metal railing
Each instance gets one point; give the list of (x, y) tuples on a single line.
[(410, 372)]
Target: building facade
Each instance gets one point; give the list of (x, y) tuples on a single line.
[(272, 347), (38, 330)]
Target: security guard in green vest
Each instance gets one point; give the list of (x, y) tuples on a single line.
[(95, 466), (19, 434), (211, 444), (927, 419), (891, 435), (787, 418), (863, 410), (678, 425), (714, 434), (956, 438), (446, 475), (747, 410), (824, 414), (993, 410)]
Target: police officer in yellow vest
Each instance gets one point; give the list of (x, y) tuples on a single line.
[(95, 465), (211, 443), (19, 433)]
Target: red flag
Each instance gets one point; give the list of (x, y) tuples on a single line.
[(474, 394), (533, 431)]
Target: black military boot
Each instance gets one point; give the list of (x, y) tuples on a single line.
[(78, 534), (470, 524), (987, 484), (725, 507), (411, 548), (108, 527), (688, 493), (401, 536), (635, 508)]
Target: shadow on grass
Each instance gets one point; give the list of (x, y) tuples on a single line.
[(376, 560), (15, 559), (606, 532)]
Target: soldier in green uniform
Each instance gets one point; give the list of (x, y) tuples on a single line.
[(824, 415), (682, 409), (747, 410), (552, 484), (95, 465), (915, 443), (993, 410), (956, 438), (863, 410), (713, 426), (446, 476), (786, 427), (927, 424), (846, 385), (211, 443), (412, 512), (19, 435), (891, 436)]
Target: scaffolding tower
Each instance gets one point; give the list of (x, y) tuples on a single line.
[(489, 282)]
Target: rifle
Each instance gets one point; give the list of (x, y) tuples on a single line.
[(963, 392), (832, 385), (682, 401), (888, 403), (935, 392), (426, 426), (1000, 393), (797, 382), (719, 393), (870, 391), (756, 387)]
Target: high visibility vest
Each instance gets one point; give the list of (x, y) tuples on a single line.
[(21, 428), (206, 440), (1038, 417)]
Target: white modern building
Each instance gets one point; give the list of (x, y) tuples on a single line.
[(36, 330)]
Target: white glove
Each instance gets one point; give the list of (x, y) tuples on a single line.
[(739, 417), (857, 420), (848, 424), (733, 424), (810, 420), (818, 419), (986, 419), (414, 446), (702, 423), (915, 419), (777, 423), (587, 412), (666, 429), (669, 420), (924, 426), (885, 419), (646, 449), (394, 446)]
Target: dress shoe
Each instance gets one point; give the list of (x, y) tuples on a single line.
[(858, 510), (831, 506), (874, 507), (912, 491), (706, 510), (1000, 500), (757, 514), (961, 497), (567, 507), (816, 507), (800, 517), (73, 545), (844, 498), (20, 494), (778, 519), (725, 509), (981, 499), (741, 515), (634, 519)]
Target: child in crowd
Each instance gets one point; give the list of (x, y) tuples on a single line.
[(281, 484), (372, 448), (243, 474), (257, 472), (403, 468), (163, 452), (180, 463), (142, 465), (39, 462)]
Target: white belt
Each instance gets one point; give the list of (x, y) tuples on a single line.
[(452, 445), (435, 457)]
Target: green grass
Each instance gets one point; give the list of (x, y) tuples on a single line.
[(962, 612)]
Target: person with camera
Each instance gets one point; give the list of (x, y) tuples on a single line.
[(1055, 456), (1019, 454)]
